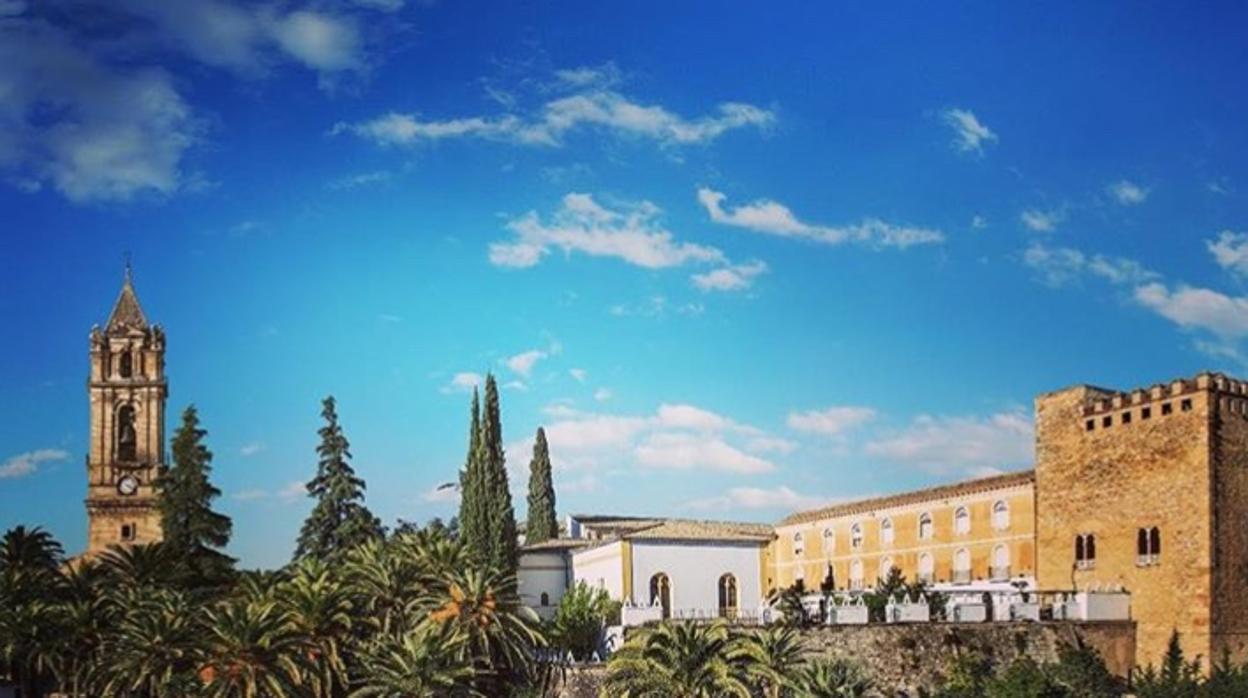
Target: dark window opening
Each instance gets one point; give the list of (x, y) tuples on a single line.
[(1154, 541), (125, 365), (545, 599), (126, 436), (1107, 421), (1166, 408), (1141, 543), (1146, 413), (1126, 417), (1186, 405), (1091, 424), (1085, 551), (127, 532)]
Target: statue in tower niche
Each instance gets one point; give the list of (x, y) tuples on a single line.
[(127, 391)]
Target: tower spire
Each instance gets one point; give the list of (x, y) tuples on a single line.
[(127, 313)]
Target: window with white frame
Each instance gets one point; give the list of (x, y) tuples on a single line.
[(925, 526), (855, 575), (962, 566), (1000, 515), (855, 536), (927, 568), (1000, 563), (961, 521), (829, 541), (886, 566), (798, 546), (886, 532)]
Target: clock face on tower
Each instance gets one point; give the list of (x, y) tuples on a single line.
[(128, 485)]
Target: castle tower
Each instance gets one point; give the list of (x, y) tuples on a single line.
[(1148, 489), (127, 390)]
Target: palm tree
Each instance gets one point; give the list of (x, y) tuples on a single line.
[(28, 632), (775, 655), (386, 586), (484, 609), (145, 565), (836, 678), (680, 660), (318, 609), (32, 548), (251, 651), (152, 650), (420, 664), (433, 552)]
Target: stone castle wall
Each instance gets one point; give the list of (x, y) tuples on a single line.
[(1230, 526), (1109, 464), (904, 659)]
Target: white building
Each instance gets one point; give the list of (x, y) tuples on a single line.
[(688, 568)]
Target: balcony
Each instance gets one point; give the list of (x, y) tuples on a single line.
[(961, 576), (1085, 564), (999, 573), (926, 578), (1147, 560)]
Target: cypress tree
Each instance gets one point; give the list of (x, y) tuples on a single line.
[(542, 523), (339, 520), (192, 531), (501, 516), (473, 500)]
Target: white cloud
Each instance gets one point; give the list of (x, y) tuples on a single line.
[(1230, 251), (524, 362), (774, 218), (462, 382), (682, 451), (979, 222), (960, 444), (656, 306), (1127, 193), (517, 385), (27, 463), (362, 179), (251, 449), (594, 107), (831, 421), (92, 131), (1041, 221), (730, 278), (578, 374), (781, 497), (295, 489), (675, 436), (603, 394), (581, 224), (292, 491), (1197, 308), (970, 134), (771, 444), (1058, 266)]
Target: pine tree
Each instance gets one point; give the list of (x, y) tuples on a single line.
[(339, 521), (192, 531), (473, 499), (542, 523), (501, 516)]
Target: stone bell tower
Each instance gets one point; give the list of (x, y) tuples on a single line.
[(127, 390)]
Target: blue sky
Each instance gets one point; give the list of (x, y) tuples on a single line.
[(737, 260)]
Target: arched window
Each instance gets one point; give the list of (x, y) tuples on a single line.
[(855, 574), (126, 437), (855, 536), (927, 568), (962, 566), (1000, 562), (829, 541), (727, 596), (925, 526), (545, 599), (886, 567), (798, 546), (961, 521), (1154, 542), (886, 532), (1001, 515), (127, 532), (125, 365), (661, 593), (1141, 543)]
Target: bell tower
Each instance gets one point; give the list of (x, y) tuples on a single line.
[(127, 391)]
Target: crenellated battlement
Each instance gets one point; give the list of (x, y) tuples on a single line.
[(1110, 401)]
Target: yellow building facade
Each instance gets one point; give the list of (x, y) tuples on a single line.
[(1145, 489), (976, 531)]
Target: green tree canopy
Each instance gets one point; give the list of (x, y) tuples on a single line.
[(542, 522), (192, 531), (339, 521)]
